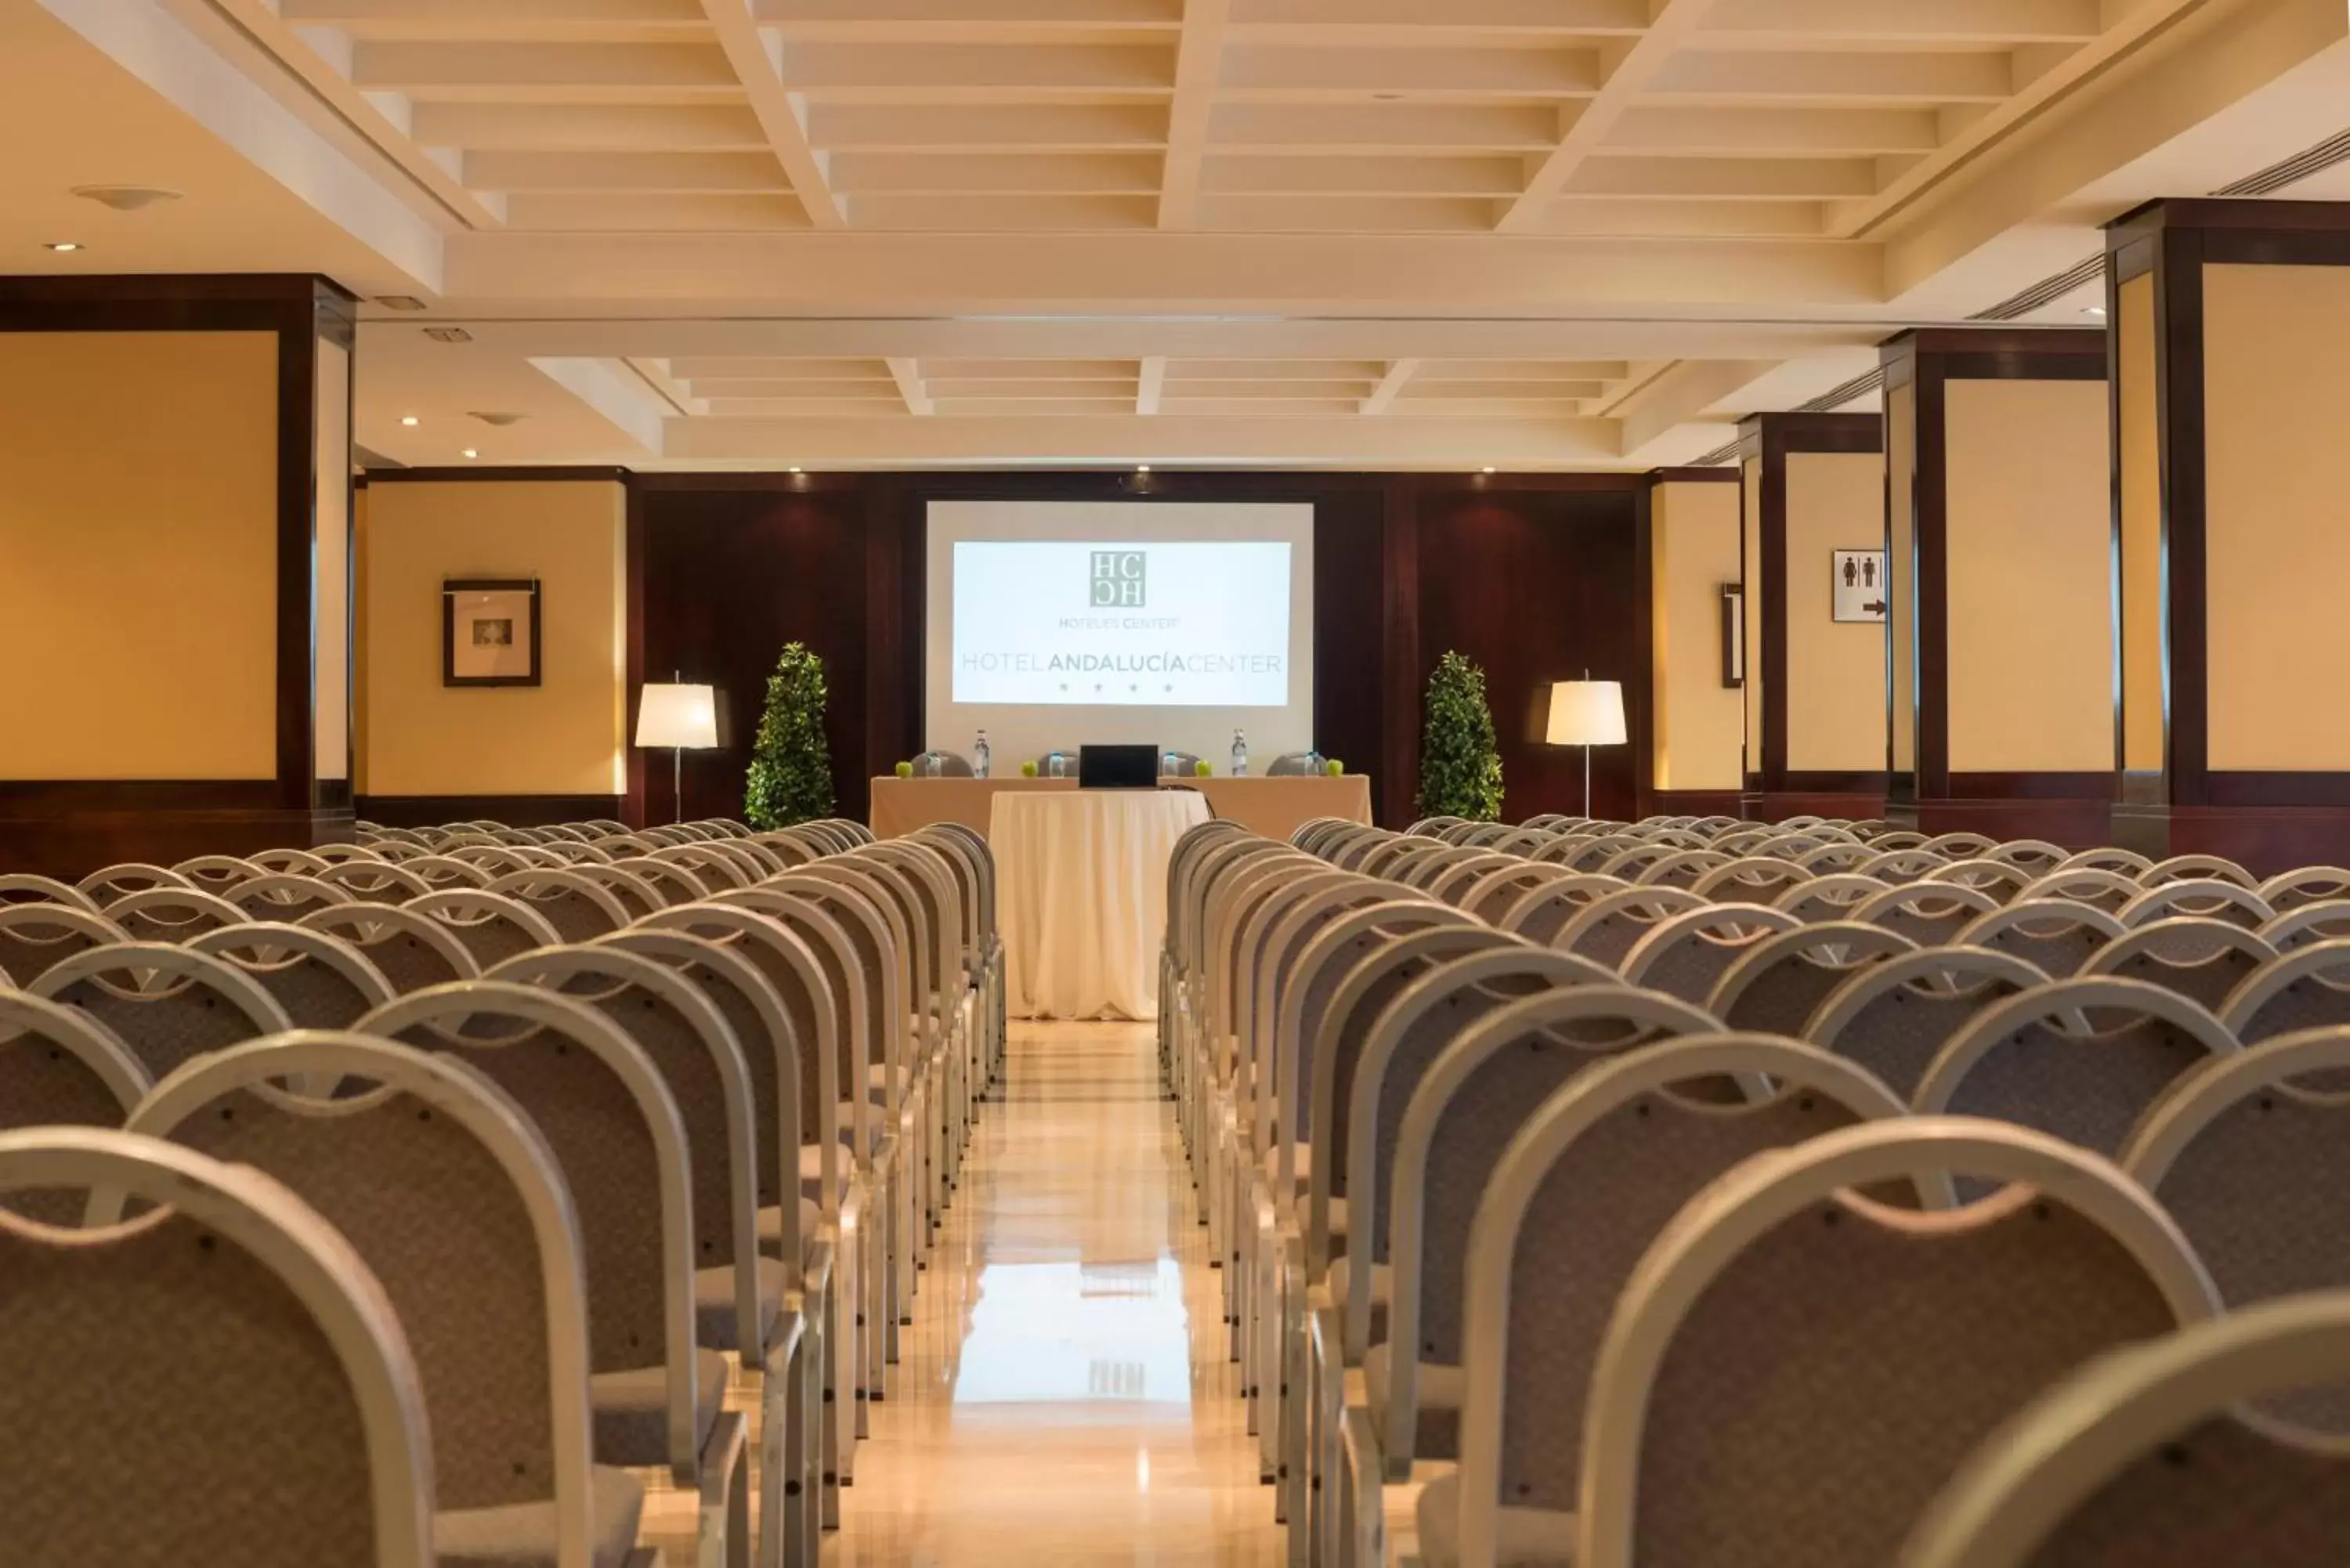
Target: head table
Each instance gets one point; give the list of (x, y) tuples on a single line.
[(1272, 807)]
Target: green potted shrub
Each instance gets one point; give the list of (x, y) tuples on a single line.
[(791, 771), (1460, 768)]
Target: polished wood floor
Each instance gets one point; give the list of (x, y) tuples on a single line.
[(1062, 1396)]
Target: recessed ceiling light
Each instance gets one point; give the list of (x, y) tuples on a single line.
[(409, 419), (1489, 468), (1389, 97), (796, 468), (1142, 468), (63, 246), (2094, 312), (400, 302), (448, 334), (125, 198), (471, 452)]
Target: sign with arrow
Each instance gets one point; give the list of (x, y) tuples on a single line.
[(1858, 590)]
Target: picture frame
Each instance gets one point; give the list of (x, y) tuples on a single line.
[(490, 632), (1857, 588), (1733, 635)]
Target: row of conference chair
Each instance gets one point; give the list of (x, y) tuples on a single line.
[(492, 1194), (1676, 1193)]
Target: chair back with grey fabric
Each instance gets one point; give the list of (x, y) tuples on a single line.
[(1995, 878), (1775, 985), (443, 871), (375, 882), (2197, 957), (1893, 1017), (435, 1175), (1398, 1050), (608, 1114), (60, 1067), (1685, 955), (679, 1027), (1591, 1179), (2251, 1157), (835, 948), (166, 1003), (1931, 914), (492, 926), (1831, 896), (22, 887), (675, 883), (1472, 1101), (1606, 929), (580, 908), (172, 914), (2197, 868), (2081, 1058), (278, 1417), (1756, 879), (2144, 1460), (2054, 934), (2307, 988), (638, 896), (284, 895), (718, 864), (321, 980), (105, 885), (2318, 921), (1793, 1372), (2207, 898), (35, 936), (217, 873), (410, 949), (1499, 890), (2100, 887)]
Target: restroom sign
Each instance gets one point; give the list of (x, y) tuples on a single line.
[(1858, 586)]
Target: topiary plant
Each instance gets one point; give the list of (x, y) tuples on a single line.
[(791, 771), (1459, 770)]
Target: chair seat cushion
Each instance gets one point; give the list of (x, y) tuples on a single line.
[(524, 1533), (771, 1234), (1301, 1165), (1440, 1390), (631, 1410), (715, 1317), (1523, 1537), (877, 1122)]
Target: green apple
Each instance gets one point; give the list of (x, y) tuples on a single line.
[(905, 770), (1202, 769), (1028, 770), (1334, 767)]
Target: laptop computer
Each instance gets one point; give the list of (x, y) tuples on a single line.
[(1117, 767)]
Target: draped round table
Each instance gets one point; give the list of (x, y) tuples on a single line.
[(1081, 896)]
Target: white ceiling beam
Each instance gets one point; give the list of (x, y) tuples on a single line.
[(1682, 392), (1630, 69), (571, 70), (1343, 439), (615, 391), (948, 72), (1150, 376), (1695, 129), (1198, 66), (1256, 71), (1749, 179), (1345, 21), (1005, 21), (1771, 22), (978, 173), (1659, 218), (1000, 212), (1279, 128), (592, 171), (550, 20), (655, 212), (1936, 76), (1390, 387), (757, 60), (587, 128), (1336, 175), (907, 373), (986, 127)]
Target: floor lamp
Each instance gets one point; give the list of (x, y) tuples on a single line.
[(1585, 713), (681, 717)]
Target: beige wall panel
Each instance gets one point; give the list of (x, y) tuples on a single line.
[(1700, 726), (2031, 577), (331, 732), (1900, 565), (1751, 534), (562, 737), (2276, 402), (2141, 485), (138, 555), (1835, 672)]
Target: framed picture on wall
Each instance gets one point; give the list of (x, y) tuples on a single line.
[(489, 631), (1858, 586), (1733, 635)]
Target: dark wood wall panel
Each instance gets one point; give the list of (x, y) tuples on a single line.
[(1536, 586)]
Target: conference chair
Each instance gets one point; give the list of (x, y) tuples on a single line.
[(166, 1003), (494, 861), (966, 848), (578, 907), (344, 853), (578, 851), (1777, 984), (1578, 852), (2202, 959), (2298, 927), (2128, 862), (1833, 896), (2308, 987), (2056, 934), (33, 937), (492, 926), (1931, 914), (656, 1394), (21, 887), (1608, 927), (2197, 868), (1829, 858), (637, 896), (288, 862), (2209, 897), (1893, 1016), (2107, 889), (374, 881), (1495, 892), (1465, 867), (675, 884), (442, 873), (408, 949), (1538, 914), (1593, 1177), (1996, 878), (284, 895), (451, 1198), (1792, 1371), (2080, 1058), (1894, 866), (2291, 890), (228, 1313), (217, 872), (172, 914), (714, 864), (1685, 955), (59, 1068), (2145, 1457), (1680, 868), (321, 980)]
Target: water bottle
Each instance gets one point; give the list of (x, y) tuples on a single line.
[(1060, 766), (1240, 755), (979, 756)]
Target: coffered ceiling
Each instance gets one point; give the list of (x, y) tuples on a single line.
[(1351, 231)]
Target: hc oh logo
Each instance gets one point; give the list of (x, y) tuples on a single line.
[(1118, 579)]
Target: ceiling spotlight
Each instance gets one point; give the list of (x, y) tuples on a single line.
[(61, 247), (2094, 312), (1489, 468), (471, 452), (400, 302), (796, 468), (125, 198), (409, 419), (448, 334), (1142, 468)]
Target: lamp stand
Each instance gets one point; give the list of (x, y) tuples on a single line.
[(1587, 783), (677, 779)]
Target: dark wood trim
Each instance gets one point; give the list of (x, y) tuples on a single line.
[(2266, 839), (2072, 823), (896, 567), (1777, 806), (1401, 673), (1639, 682), (2278, 789), (632, 810), (1980, 786), (450, 588), (513, 810), (193, 291), (2258, 214), (1997, 349), (27, 799), (2179, 318), (2130, 261), (472, 473)]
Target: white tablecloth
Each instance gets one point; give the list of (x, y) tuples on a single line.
[(1081, 896)]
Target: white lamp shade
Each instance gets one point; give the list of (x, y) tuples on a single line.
[(1585, 713), (679, 716)]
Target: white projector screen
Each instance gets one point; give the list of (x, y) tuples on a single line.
[(1053, 625)]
